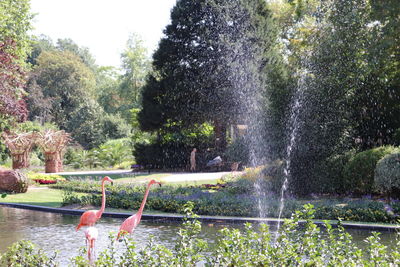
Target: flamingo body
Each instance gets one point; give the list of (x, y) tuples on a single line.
[(91, 235), (90, 217), (129, 225)]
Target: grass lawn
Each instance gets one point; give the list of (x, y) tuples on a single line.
[(41, 196)]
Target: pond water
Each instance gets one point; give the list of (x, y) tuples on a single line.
[(51, 231)]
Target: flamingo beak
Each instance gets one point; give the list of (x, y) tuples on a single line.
[(159, 184)]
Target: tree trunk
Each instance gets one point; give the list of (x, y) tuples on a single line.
[(220, 135), (60, 167), (52, 162), (20, 161)]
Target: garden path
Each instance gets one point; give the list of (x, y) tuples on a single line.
[(171, 177), (198, 176)]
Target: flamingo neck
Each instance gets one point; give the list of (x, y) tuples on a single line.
[(144, 199), (103, 200)]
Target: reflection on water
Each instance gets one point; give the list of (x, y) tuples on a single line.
[(52, 232)]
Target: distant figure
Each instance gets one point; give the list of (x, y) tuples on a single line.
[(193, 160)]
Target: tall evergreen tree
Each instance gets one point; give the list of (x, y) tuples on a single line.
[(207, 66)]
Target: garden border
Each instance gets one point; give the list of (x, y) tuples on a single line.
[(214, 219)]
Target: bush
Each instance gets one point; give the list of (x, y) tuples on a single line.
[(124, 165), (35, 160), (23, 253), (73, 157), (114, 152), (387, 173), (329, 174), (235, 199), (359, 171), (115, 127)]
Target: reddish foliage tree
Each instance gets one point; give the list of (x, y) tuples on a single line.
[(12, 81)]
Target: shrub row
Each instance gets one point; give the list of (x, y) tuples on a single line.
[(352, 173), (222, 202)]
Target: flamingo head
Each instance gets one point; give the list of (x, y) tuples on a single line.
[(108, 179), (154, 182)]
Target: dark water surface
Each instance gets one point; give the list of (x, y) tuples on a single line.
[(51, 231)]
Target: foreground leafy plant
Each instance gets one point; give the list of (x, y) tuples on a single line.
[(22, 253), (299, 242)]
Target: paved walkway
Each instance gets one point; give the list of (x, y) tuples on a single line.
[(96, 172), (199, 176), (171, 177)]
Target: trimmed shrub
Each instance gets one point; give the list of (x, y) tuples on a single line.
[(329, 174), (359, 171), (387, 173)]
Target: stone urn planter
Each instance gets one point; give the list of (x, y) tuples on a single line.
[(13, 181)]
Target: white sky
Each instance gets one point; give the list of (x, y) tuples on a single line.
[(102, 25)]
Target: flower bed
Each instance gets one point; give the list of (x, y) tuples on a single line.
[(42, 178), (44, 181)]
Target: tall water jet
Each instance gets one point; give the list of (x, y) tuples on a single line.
[(294, 125)]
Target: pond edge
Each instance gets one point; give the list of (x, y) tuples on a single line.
[(214, 219)]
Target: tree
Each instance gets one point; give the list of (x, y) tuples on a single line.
[(207, 66), (136, 65), (65, 82), (12, 81), (107, 90), (85, 124), (82, 52), (376, 101), (39, 44), (15, 22)]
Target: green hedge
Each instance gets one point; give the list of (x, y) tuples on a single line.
[(224, 202), (360, 169), (387, 174), (329, 174)]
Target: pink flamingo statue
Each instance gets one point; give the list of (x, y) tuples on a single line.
[(131, 222), (90, 217), (91, 235)]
